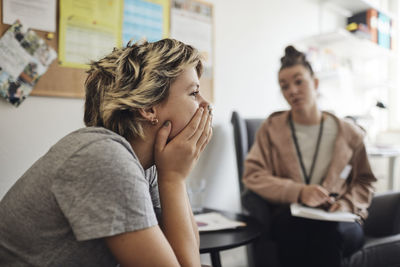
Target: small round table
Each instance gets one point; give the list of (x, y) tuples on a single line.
[(215, 241)]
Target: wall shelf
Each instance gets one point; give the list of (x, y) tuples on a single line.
[(334, 75), (347, 45), (351, 7)]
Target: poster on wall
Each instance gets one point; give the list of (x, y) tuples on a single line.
[(24, 58), (89, 29), (145, 19), (192, 23)]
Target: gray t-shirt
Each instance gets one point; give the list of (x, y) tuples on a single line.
[(88, 186)]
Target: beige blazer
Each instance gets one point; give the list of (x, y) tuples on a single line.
[(272, 169)]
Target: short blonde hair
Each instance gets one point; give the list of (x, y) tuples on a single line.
[(131, 78)]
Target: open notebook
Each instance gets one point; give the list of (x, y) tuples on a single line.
[(319, 214), (213, 221)]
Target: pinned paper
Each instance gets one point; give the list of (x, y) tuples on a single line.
[(24, 58)]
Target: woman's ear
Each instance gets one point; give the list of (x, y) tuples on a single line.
[(316, 83), (148, 114)]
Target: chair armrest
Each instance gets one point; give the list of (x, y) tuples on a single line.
[(384, 215)]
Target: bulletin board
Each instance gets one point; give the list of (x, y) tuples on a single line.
[(61, 81), (57, 81)]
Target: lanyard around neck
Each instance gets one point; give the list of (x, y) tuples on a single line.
[(307, 178)]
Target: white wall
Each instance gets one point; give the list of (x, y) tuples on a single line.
[(250, 36), (27, 132)]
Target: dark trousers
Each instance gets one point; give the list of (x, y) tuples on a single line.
[(312, 243)]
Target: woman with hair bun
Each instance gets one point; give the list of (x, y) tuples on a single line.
[(308, 156), (92, 199)]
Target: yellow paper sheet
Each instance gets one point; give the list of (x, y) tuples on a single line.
[(89, 29)]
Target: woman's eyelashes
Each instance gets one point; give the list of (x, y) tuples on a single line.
[(195, 93)]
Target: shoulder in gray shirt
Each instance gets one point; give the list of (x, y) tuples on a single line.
[(88, 186)]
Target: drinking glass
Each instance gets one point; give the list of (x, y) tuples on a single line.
[(196, 188)]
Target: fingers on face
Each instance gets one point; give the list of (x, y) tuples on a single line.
[(201, 126), (194, 123), (162, 136), (209, 135), (202, 135)]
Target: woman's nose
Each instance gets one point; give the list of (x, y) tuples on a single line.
[(293, 89), (203, 102)]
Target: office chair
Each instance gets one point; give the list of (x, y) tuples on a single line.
[(382, 227)]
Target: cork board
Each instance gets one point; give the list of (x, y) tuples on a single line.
[(57, 81)]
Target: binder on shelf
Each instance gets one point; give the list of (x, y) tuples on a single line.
[(372, 19), (384, 30), (365, 22)]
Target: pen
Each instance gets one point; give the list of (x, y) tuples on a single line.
[(334, 195)]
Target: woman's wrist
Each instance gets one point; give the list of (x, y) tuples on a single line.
[(171, 178), (171, 187)]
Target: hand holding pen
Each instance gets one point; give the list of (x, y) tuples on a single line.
[(335, 205), (315, 196), (319, 197), (331, 205)]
